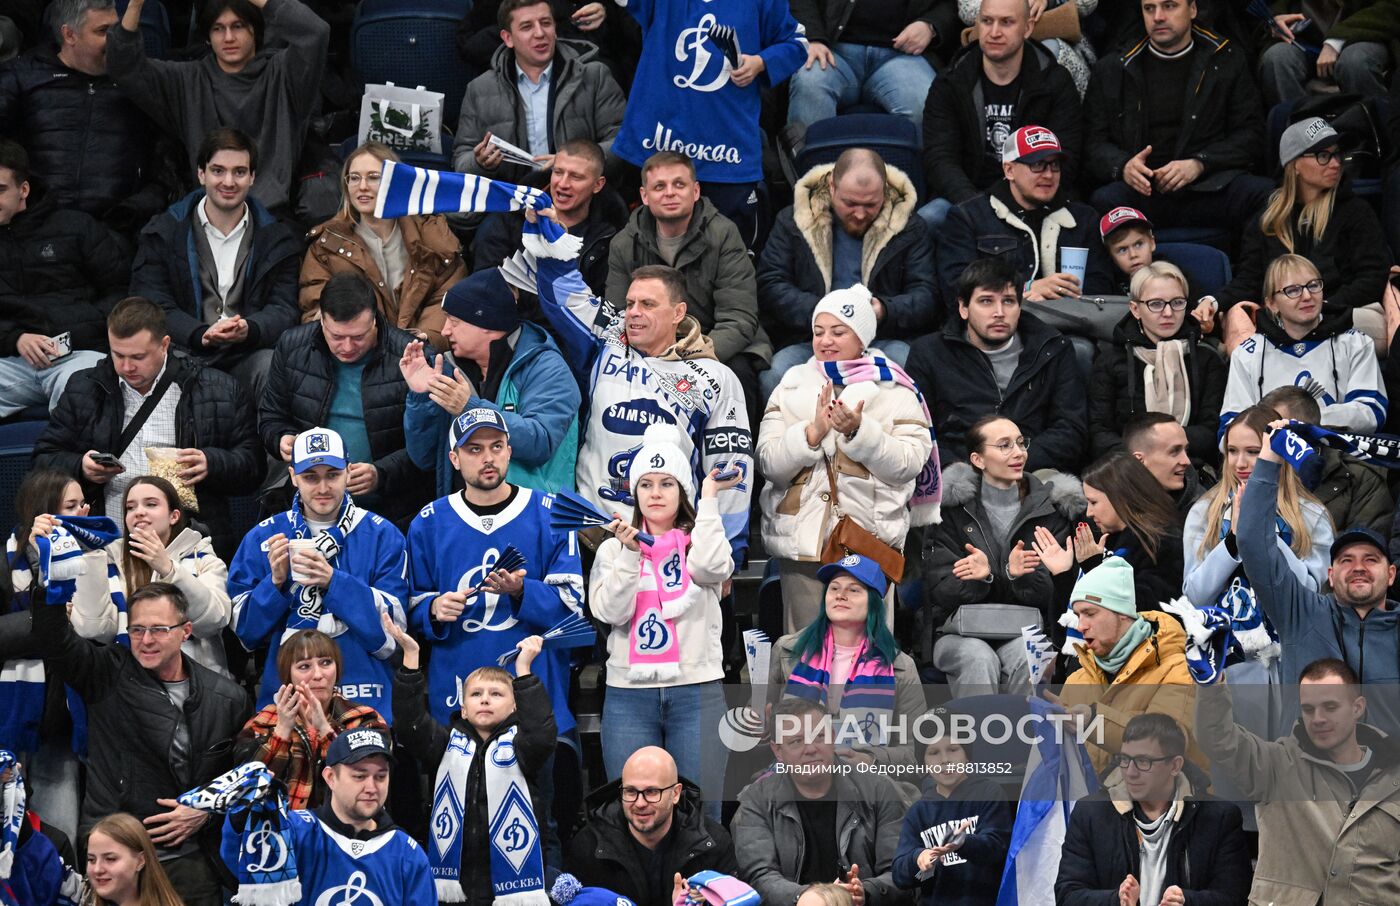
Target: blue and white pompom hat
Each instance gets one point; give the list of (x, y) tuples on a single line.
[(567, 891), (864, 570), (472, 421), (318, 447)]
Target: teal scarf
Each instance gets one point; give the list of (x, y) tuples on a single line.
[(1139, 632)]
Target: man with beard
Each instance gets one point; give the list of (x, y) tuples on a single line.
[(1355, 624), (646, 829), (1026, 220)]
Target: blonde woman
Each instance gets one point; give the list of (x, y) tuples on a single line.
[(1305, 341), (1314, 214), (122, 868), (411, 261)]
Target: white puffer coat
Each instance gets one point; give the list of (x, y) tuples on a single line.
[(875, 469)]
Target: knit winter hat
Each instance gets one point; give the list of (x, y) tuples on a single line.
[(661, 452), (850, 306), (483, 299), (1108, 585), (568, 891)]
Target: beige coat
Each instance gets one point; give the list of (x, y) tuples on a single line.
[(434, 264), (875, 470), (1315, 844)]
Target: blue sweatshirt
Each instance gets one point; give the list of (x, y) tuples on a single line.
[(971, 875), (689, 105)]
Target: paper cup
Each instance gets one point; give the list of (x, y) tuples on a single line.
[(295, 546), (1074, 262)]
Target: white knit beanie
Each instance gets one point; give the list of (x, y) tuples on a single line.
[(661, 452), (851, 307)]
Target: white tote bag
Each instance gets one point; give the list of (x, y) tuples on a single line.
[(405, 119)]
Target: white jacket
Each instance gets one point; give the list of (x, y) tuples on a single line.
[(875, 470), (197, 571), (612, 597), (1344, 363)]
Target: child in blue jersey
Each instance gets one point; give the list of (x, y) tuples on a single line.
[(468, 611), (324, 564), (486, 843)]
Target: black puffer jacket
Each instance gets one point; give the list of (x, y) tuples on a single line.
[(298, 394), (956, 163), (1351, 257), (1055, 504), (214, 415), (1117, 391), (1223, 121), (88, 144), (60, 270), (602, 852), (1045, 397), (166, 271), (132, 722), (428, 740)]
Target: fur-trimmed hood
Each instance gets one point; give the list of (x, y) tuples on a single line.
[(812, 214), (961, 485)]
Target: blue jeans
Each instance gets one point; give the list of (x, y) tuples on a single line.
[(933, 214), (683, 720), (22, 385), (896, 351), (895, 82)]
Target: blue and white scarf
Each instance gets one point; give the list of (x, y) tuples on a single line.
[(1208, 638), (1252, 635), (309, 611), (60, 553), (267, 865), (517, 860), (406, 191), (12, 807), (1298, 442)]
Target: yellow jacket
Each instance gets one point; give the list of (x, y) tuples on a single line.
[(1155, 679)]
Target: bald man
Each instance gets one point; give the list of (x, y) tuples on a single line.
[(645, 828), (850, 222)]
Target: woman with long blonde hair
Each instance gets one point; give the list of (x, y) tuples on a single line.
[(1314, 214), (411, 261), (122, 868), (1214, 575)]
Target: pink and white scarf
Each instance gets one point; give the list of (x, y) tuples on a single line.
[(928, 487), (664, 593)]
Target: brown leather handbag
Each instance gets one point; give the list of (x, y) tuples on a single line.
[(850, 537)]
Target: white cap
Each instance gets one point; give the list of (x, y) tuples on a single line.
[(661, 452), (851, 307), (318, 447)]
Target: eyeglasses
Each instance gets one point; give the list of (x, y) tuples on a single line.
[(160, 633), (1324, 158), (1293, 291), (1004, 448), (1040, 166), (650, 794), (1141, 762), (369, 179), (1156, 305)]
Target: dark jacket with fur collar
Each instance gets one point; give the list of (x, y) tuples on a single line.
[(896, 262), (1055, 504)]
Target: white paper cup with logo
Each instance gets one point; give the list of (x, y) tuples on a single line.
[(1074, 261), (294, 547)]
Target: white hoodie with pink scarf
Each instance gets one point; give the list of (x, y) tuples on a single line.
[(613, 587)]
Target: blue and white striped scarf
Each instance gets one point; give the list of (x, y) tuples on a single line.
[(1298, 442), (407, 191), (11, 812), (60, 553)]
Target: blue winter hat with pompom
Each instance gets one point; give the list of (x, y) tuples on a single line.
[(567, 891)]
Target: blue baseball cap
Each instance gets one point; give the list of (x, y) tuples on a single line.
[(359, 744), (472, 421), (865, 571), (318, 447), (1357, 535)]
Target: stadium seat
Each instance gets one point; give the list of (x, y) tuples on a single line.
[(895, 138), (1207, 268), (16, 450), (412, 42), (1216, 237), (1084, 351)]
